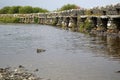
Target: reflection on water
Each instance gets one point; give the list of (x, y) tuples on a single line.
[(110, 45), (68, 56), (113, 46)]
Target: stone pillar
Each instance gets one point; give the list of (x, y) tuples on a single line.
[(60, 19), (63, 22), (74, 23), (82, 23), (102, 23), (104, 20), (93, 21), (67, 22), (114, 23), (56, 21)]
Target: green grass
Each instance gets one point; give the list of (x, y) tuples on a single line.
[(9, 20)]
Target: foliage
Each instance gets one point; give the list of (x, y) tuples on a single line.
[(88, 25), (85, 26), (68, 7), (54, 23), (81, 29), (37, 10), (9, 20), (25, 9), (21, 9), (14, 9), (5, 10), (36, 20), (87, 12)]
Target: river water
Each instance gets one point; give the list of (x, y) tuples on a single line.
[(68, 56)]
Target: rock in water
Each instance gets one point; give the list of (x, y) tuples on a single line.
[(40, 50), (36, 70), (117, 71)]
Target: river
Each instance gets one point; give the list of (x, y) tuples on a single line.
[(68, 56)]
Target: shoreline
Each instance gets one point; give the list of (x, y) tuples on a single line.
[(18, 73)]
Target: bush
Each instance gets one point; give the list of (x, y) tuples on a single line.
[(22, 10), (36, 20), (68, 7), (86, 26), (81, 29), (9, 20)]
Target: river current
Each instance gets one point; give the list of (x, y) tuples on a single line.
[(68, 56)]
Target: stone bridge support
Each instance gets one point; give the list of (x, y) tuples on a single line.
[(114, 24), (73, 23), (56, 20), (60, 19), (102, 22), (94, 21), (66, 22), (41, 20), (81, 23), (22, 20), (49, 21)]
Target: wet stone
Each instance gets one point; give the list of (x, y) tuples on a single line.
[(117, 71), (19, 73), (40, 50)]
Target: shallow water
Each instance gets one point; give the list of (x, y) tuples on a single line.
[(68, 56)]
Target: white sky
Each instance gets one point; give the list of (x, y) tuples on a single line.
[(54, 4)]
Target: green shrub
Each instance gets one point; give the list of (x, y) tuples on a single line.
[(36, 20), (85, 26), (88, 25), (9, 20), (81, 29)]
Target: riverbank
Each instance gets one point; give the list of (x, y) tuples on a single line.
[(18, 73), (9, 19)]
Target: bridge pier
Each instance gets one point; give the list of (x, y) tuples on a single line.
[(59, 23), (22, 20), (94, 21), (102, 23), (66, 22), (114, 24), (81, 23), (41, 20), (73, 23)]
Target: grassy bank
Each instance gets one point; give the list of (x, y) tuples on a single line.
[(9, 20)]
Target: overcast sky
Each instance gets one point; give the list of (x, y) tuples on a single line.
[(54, 4)]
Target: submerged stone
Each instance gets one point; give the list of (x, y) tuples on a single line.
[(40, 50), (117, 71)]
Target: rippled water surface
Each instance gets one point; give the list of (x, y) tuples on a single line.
[(68, 56)]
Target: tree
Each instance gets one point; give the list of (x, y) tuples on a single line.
[(26, 9), (14, 9), (22, 10), (36, 10), (5, 10), (43, 10), (69, 6)]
